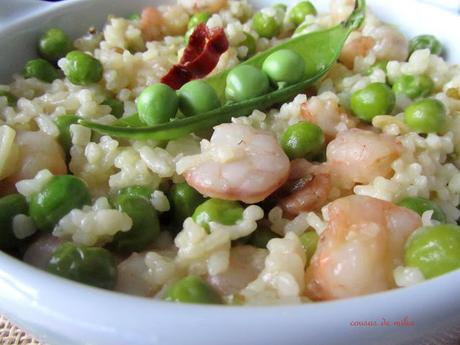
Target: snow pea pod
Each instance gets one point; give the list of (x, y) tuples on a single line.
[(319, 50)]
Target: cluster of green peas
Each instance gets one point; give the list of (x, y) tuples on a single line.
[(269, 26), (425, 115), (434, 250), (96, 266), (159, 103), (81, 69)]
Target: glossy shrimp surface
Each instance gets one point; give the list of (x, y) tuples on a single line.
[(37, 151), (239, 163), (359, 156), (151, 22), (325, 111), (357, 45), (362, 244)]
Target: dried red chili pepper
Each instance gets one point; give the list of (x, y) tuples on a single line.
[(200, 57)]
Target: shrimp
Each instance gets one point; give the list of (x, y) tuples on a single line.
[(359, 156), (239, 163), (356, 45), (203, 5), (246, 262), (37, 151), (324, 110), (362, 244), (308, 188), (390, 44), (151, 23), (163, 21)]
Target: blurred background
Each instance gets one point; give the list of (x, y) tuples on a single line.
[(452, 5)]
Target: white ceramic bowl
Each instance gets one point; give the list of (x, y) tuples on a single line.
[(62, 312)]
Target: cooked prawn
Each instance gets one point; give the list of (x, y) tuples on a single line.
[(324, 110), (390, 43), (163, 21), (356, 45), (308, 188), (362, 244), (151, 23), (359, 156), (239, 163), (37, 151)]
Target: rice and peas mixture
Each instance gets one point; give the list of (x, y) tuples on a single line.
[(321, 198)]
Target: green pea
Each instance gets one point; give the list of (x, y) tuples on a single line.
[(134, 16), (301, 139), (250, 43), (61, 194), (284, 66), (63, 123), (146, 226), (245, 82), (157, 104), (82, 69), (434, 250), (117, 106), (426, 42), (426, 116), (192, 289), (300, 11), (414, 86), (138, 191), (88, 265), (40, 69), (10, 98), (265, 25), (54, 44), (183, 200), (420, 205), (197, 97), (309, 242), (10, 206), (375, 99), (261, 237), (198, 18), (216, 210)]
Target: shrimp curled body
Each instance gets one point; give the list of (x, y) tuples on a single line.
[(361, 246), (238, 163), (37, 151), (359, 156)]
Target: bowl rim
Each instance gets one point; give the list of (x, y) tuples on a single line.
[(24, 275)]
